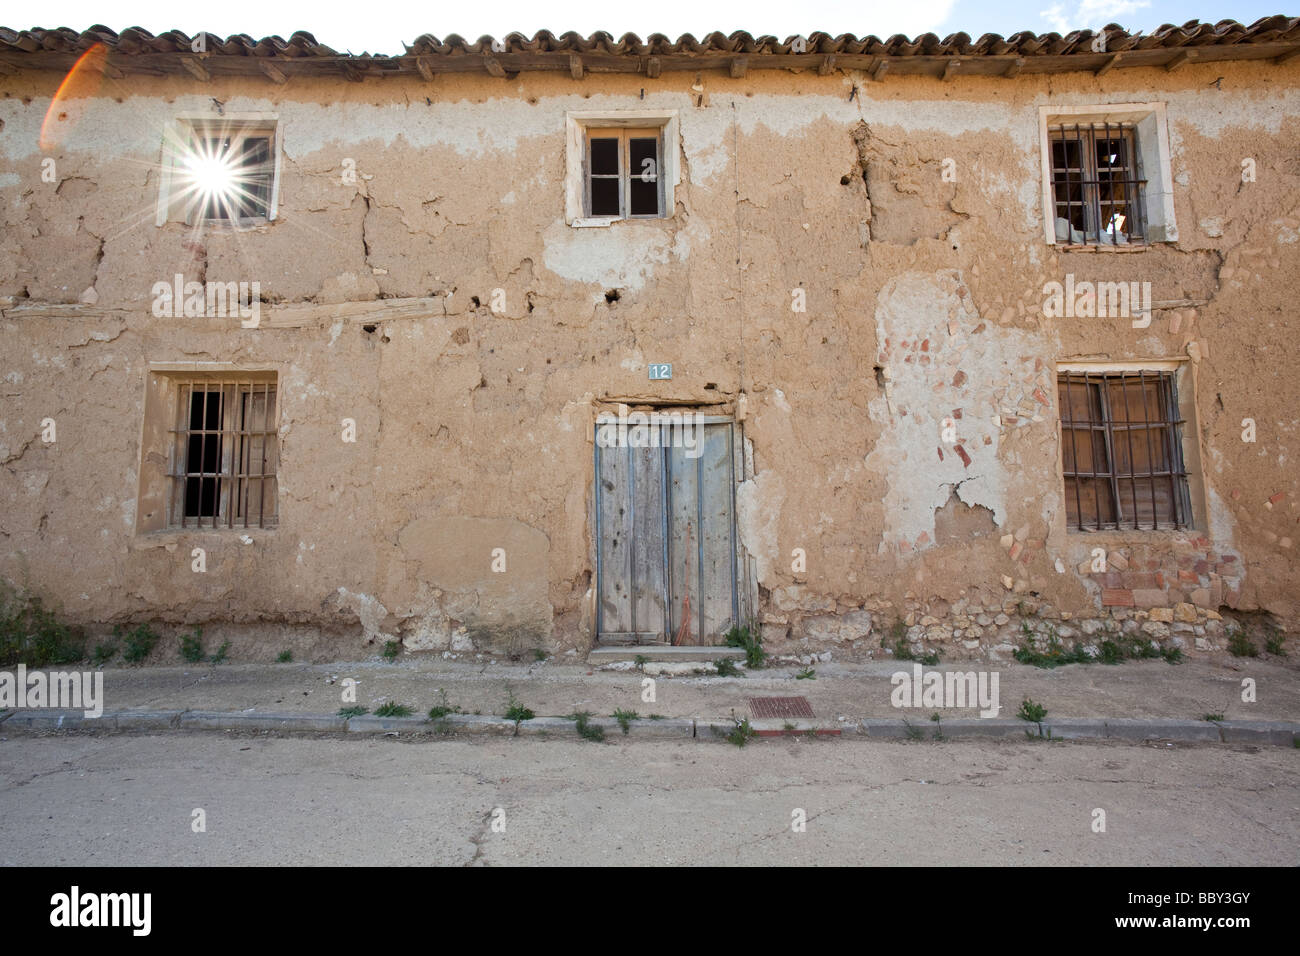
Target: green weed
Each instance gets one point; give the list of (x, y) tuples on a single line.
[(1032, 712), (625, 718), (586, 729), (748, 638)]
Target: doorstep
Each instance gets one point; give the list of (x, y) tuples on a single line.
[(663, 652)]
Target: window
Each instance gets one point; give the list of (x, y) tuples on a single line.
[(225, 453), (622, 173), (220, 170), (1107, 184), (620, 166), (230, 172), (1121, 451), (1096, 185)]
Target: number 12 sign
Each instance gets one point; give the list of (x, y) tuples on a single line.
[(661, 373)]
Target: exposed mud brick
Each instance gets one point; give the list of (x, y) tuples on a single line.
[(1139, 579), (1117, 560), (1149, 597)]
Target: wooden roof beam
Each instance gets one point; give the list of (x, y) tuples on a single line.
[(1180, 59), (196, 68), (426, 71), (273, 72), (493, 66), (950, 68), (575, 66), (739, 66), (1111, 62), (880, 69), (1014, 68)]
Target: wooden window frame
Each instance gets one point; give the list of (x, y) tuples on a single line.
[(580, 124), (1168, 420), (623, 136)]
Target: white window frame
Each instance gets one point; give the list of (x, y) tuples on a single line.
[(1151, 130), (578, 125), (183, 130)]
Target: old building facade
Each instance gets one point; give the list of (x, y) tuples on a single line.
[(553, 342)]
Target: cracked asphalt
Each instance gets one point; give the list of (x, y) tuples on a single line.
[(124, 800)]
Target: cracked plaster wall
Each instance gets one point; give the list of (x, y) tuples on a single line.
[(473, 426)]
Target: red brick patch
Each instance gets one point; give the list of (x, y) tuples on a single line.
[(1274, 499), (965, 458), (1116, 597)]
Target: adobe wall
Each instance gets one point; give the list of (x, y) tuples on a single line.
[(473, 427)]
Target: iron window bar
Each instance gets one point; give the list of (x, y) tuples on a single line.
[(215, 463), (1095, 170), (1166, 468)]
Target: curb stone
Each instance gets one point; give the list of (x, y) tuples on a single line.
[(1136, 728), (370, 724), (146, 719), (1278, 732), (1264, 732), (799, 727), (217, 720)]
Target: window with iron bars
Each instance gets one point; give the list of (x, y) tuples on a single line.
[(1121, 451), (225, 454), (1097, 184)]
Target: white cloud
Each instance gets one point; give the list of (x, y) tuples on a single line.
[(1091, 14)]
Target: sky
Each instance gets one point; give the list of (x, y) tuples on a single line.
[(381, 26)]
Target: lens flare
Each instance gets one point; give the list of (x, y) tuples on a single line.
[(214, 182), (82, 82)]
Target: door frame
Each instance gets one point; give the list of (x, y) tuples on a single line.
[(741, 563)]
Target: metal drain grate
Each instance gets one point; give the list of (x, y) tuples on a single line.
[(780, 707)]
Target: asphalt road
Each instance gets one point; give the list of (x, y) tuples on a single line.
[(274, 801)]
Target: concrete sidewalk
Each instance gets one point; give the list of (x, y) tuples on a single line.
[(1091, 700)]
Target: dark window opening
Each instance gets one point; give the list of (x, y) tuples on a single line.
[(226, 455)]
